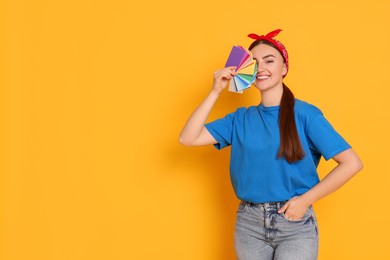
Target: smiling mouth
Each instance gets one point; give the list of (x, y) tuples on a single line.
[(263, 77)]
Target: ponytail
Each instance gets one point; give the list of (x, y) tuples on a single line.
[(290, 145)]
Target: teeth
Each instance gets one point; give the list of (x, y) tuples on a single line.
[(262, 77)]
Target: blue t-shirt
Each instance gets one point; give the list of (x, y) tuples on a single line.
[(257, 175)]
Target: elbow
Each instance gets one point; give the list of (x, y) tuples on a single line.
[(185, 141), (351, 161), (357, 164)]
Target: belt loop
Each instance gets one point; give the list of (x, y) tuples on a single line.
[(246, 203)]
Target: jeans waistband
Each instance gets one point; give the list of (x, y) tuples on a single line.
[(277, 204)]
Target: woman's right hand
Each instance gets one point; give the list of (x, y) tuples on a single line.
[(194, 132), (222, 77)]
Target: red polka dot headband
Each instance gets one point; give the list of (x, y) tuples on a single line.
[(269, 37)]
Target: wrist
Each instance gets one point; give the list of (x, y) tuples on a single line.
[(214, 93), (306, 199)]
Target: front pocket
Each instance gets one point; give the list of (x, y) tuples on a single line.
[(308, 215)]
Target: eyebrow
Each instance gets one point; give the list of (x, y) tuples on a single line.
[(267, 56)]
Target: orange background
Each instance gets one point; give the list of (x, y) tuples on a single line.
[(94, 95)]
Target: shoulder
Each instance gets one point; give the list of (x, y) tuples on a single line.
[(305, 109), (243, 111), (242, 114)]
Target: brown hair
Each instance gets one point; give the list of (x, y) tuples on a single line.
[(290, 146)]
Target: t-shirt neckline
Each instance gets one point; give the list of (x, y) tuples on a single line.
[(270, 108)]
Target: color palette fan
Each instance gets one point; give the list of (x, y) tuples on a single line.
[(246, 69)]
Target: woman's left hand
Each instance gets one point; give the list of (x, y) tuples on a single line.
[(294, 209)]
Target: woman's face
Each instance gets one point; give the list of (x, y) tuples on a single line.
[(271, 67)]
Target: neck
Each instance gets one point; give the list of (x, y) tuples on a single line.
[(272, 97)]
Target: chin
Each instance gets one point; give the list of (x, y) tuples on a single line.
[(261, 87), (264, 86)]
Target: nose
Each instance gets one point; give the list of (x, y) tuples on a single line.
[(260, 68)]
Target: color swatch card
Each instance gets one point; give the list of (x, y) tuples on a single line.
[(246, 69)]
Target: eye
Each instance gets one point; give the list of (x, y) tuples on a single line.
[(269, 61)]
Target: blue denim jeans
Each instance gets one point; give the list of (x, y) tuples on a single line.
[(261, 233)]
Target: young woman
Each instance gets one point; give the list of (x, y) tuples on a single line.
[(275, 150)]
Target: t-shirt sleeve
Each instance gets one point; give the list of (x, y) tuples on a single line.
[(221, 129), (325, 139)]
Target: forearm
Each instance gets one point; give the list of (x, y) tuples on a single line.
[(194, 133), (194, 125), (341, 174)]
